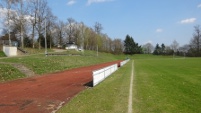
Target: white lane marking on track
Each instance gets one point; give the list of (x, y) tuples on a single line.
[(130, 100)]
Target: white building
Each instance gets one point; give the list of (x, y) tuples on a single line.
[(71, 45)]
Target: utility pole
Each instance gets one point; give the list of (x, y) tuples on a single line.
[(82, 36), (97, 46), (22, 38), (38, 23), (98, 29), (45, 39), (9, 6), (97, 50)]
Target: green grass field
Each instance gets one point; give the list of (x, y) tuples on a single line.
[(7, 72), (167, 85), (161, 85)]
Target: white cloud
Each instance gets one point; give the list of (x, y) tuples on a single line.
[(159, 30), (89, 2), (187, 21), (199, 6), (71, 2), (3, 12)]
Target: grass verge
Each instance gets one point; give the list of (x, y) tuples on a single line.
[(7, 72), (41, 64), (110, 96), (2, 54)]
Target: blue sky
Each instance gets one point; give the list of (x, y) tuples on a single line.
[(156, 21)]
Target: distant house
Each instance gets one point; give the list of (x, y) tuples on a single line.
[(4, 40), (58, 46), (71, 45)]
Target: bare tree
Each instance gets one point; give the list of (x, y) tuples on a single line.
[(33, 11), (107, 43), (51, 26), (91, 39), (174, 45), (42, 14), (21, 23), (60, 33), (19, 19), (80, 35), (184, 48), (117, 46), (168, 50), (97, 27), (76, 34), (195, 42), (70, 29), (7, 4), (87, 35), (39, 8), (148, 48)]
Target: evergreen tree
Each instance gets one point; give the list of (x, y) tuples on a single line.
[(131, 47), (128, 43), (163, 49), (157, 50)]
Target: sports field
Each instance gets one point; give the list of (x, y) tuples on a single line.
[(167, 85), (161, 85)]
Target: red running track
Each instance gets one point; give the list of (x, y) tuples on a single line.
[(43, 94)]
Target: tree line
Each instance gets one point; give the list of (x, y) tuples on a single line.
[(30, 21), (193, 49)]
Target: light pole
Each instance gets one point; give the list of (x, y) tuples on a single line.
[(20, 18), (21, 22), (82, 36), (45, 39), (9, 24), (9, 34), (97, 50), (97, 45)]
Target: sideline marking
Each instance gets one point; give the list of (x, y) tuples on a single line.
[(130, 100)]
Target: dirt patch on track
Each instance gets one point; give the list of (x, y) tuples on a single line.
[(44, 94)]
